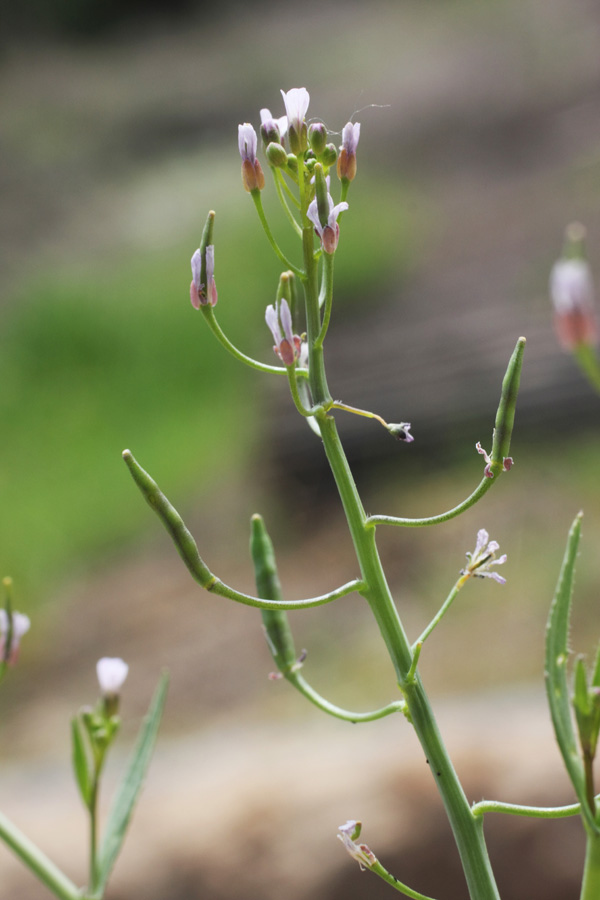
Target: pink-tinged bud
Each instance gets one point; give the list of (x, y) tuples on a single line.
[(253, 177), (346, 164), (287, 348), (272, 130), (296, 104), (330, 232), (572, 292), (203, 290), (12, 629)]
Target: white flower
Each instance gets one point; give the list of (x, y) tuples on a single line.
[(20, 626), (482, 557), (111, 672), (296, 104)]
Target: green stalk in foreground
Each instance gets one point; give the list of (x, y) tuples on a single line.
[(308, 166)]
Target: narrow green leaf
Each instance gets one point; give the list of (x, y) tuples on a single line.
[(80, 762), (557, 655), (131, 785), (596, 672)]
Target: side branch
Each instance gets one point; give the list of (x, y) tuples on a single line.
[(477, 494), (534, 812), (188, 550)]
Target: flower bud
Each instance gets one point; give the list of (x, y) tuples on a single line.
[(329, 155), (253, 178), (346, 164), (111, 673), (401, 431), (276, 155), (271, 129), (317, 138), (572, 292)]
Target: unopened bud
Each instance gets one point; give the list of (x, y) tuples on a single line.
[(346, 164), (317, 138), (329, 155), (572, 292), (276, 155), (401, 431)]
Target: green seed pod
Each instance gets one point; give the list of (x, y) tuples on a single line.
[(275, 621), (505, 416)]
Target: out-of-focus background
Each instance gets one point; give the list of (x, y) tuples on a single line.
[(480, 141)]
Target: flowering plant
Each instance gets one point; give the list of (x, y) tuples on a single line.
[(301, 159)]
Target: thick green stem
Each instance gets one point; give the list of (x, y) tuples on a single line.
[(468, 831), (590, 887), (37, 862)]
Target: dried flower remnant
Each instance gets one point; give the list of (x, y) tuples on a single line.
[(201, 294), (253, 177), (287, 348), (572, 292), (401, 431), (346, 164), (507, 463), (348, 835), (482, 557), (12, 628)]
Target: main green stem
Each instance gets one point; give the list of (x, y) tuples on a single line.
[(468, 830), (590, 888)]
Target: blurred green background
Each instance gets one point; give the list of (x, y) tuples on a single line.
[(118, 132)]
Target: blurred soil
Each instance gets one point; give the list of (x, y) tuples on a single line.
[(495, 122)]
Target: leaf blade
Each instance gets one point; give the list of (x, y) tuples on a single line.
[(131, 785), (557, 689)]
